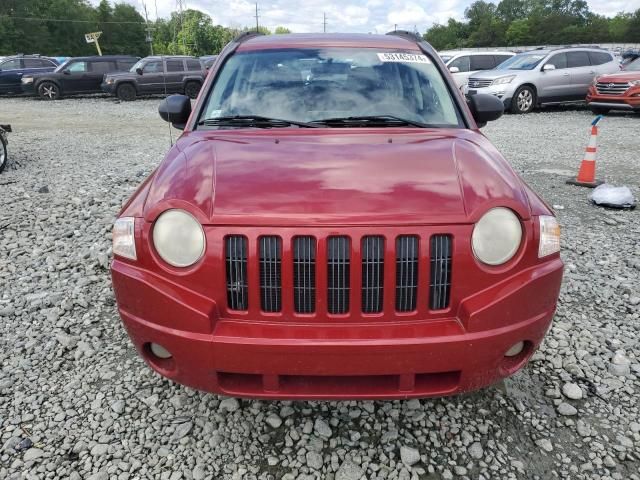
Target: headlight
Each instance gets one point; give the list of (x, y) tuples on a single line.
[(109, 81), (27, 80), (178, 238), (123, 238), (497, 236), (503, 80), (549, 236), (635, 83)]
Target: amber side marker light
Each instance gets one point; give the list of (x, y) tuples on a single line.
[(549, 236)]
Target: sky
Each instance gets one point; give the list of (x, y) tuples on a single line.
[(366, 16)]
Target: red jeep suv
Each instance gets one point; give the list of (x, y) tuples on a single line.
[(616, 91), (332, 224)]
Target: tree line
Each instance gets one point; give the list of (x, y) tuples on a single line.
[(57, 28), (533, 22)]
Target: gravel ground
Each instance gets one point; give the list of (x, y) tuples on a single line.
[(76, 402)]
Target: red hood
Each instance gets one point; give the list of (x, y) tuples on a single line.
[(316, 177), (619, 77)]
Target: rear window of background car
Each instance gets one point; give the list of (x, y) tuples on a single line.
[(598, 58), (102, 67), (578, 59), (482, 62), (175, 66), (37, 63), (501, 58), (193, 65), (125, 64)]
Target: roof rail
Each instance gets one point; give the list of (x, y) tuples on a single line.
[(244, 36), (406, 34)]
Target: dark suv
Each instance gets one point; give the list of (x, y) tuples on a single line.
[(76, 76), (13, 68), (159, 74)]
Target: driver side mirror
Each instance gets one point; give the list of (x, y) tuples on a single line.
[(175, 109), (548, 67), (139, 71), (454, 69), (485, 108)]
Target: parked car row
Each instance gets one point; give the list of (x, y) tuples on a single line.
[(124, 76), (548, 76)]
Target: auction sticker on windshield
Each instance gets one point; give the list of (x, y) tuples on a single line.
[(403, 57)]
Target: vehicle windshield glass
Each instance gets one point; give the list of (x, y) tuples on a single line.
[(633, 66), (137, 65), (525, 61), (307, 85)]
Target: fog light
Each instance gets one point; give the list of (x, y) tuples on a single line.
[(514, 350), (159, 351)]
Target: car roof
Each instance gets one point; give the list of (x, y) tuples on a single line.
[(454, 53), (104, 57), (327, 40), (160, 57)]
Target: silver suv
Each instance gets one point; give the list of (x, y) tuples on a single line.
[(543, 77)]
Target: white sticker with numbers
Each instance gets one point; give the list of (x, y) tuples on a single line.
[(403, 57)]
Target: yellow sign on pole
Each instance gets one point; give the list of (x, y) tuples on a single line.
[(93, 38)]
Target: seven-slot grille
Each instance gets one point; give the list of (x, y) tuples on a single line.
[(611, 88), (479, 82), (338, 255)]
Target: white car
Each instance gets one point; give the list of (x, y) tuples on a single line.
[(463, 64)]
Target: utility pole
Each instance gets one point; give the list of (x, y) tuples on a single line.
[(324, 22), (395, 27), (149, 28), (257, 19)]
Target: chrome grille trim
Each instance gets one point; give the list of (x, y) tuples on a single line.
[(271, 274), (440, 285), (236, 262), (338, 274), (406, 273), (612, 88), (372, 274), (479, 82), (304, 274)]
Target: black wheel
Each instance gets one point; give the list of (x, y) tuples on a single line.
[(600, 110), (191, 89), (3, 154), (49, 91), (126, 92), (524, 100)]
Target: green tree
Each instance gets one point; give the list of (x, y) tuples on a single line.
[(281, 30)]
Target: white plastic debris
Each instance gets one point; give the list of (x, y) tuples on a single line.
[(608, 195)]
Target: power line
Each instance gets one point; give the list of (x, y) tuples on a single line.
[(64, 20)]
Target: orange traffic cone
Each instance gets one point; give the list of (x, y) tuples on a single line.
[(587, 173)]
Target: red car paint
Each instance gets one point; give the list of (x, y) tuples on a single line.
[(323, 182), (625, 98)]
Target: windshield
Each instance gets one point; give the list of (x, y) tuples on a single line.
[(62, 66), (307, 85), (524, 61), (137, 65), (633, 66)]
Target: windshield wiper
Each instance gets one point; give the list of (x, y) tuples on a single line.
[(257, 121), (370, 121)]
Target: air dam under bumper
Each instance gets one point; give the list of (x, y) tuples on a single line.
[(382, 359)]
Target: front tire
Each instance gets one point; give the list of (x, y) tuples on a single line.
[(49, 91), (524, 100), (600, 110), (3, 154), (126, 92), (191, 89)]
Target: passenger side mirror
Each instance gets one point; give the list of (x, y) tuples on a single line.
[(548, 67), (485, 108), (139, 71), (454, 69), (176, 110)]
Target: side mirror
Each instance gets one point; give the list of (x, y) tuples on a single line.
[(485, 108), (176, 110), (548, 66), (66, 72), (139, 71), (454, 69)]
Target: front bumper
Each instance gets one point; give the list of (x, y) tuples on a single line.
[(503, 92), (323, 360), (630, 100), (109, 88)]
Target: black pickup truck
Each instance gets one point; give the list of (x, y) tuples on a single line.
[(157, 75), (3, 145)]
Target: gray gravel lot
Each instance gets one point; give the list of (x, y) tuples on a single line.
[(76, 402)]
